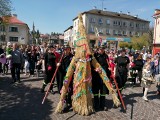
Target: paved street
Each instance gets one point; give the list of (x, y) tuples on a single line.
[(22, 101)]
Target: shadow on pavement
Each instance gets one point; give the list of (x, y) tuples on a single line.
[(21, 102)]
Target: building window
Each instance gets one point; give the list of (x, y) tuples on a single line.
[(13, 29), (107, 31), (78, 22), (124, 33), (137, 25), (92, 29), (115, 32), (130, 33), (13, 39), (2, 28), (119, 23), (124, 24), (2, 38), (108, 22), (143, 26), (119, 32), (100, 30), (75, 24), (92, 20), (115, 23), (132, 24), (100, 21)]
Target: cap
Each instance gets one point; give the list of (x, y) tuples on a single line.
[(102, 47)]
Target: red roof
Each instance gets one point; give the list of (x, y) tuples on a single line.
[(13, 20)]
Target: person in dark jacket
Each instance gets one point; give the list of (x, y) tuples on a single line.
[(66, 60), (97, 83), (121, 69), (2, 55), (16, 60), (138, 66), (50, 66)]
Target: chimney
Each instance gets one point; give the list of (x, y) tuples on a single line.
[(104, 9), (157, 11), (14, 15), (120, 12), (136, 16)]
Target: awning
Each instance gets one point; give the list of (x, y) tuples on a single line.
[(119, 39)]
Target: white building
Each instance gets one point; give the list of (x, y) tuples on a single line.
[(14, 30), (68, 35)]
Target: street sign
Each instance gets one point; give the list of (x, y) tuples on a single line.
[(119, 39)]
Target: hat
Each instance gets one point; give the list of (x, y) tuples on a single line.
[(50, 46), (102, 47)]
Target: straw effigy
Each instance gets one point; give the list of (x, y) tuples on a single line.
[(80, 66)]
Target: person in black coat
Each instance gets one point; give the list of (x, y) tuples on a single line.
[(121, 69), (1, 56), (138, 66), (50, 66), (62, 72), (97, 83)]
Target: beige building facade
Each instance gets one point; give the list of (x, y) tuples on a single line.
[(111, 26)]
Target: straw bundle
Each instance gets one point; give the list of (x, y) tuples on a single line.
[(80, 67)]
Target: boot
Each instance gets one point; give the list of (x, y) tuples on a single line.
[(102, 103), (68, 104), (96, 103), (51, 89), (43, 87), (145, 94)]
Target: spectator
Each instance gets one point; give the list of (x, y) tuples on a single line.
[(146, 78), (16, 63)]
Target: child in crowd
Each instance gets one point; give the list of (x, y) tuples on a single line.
[(8, 54)]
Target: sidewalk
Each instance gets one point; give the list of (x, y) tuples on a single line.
[(23, 102)]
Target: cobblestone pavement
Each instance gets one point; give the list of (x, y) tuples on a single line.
[(22, 101)]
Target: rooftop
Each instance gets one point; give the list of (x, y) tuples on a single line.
[(68, 28), (12, 20), (112, 14)]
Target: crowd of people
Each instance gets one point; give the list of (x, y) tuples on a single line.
[(138, 67)]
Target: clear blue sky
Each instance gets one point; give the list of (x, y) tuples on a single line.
[(56, 15)]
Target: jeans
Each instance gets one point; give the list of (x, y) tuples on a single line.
[(15, 70)]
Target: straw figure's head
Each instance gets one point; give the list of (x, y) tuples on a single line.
[(81, 42)]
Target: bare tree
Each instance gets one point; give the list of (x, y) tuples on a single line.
[(5, 7)]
